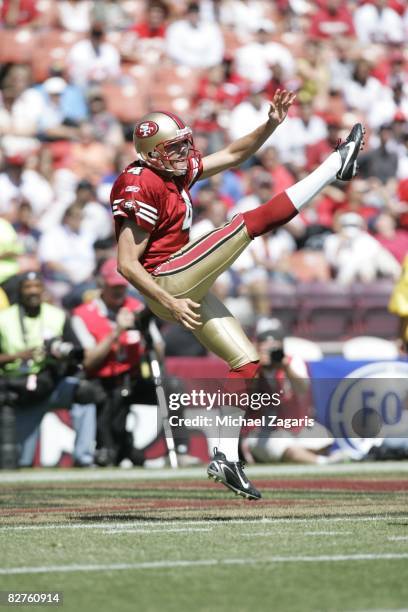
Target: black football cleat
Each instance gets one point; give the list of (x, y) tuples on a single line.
[(232, 475), (349, 149)]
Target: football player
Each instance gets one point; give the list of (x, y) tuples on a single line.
[(152, 209)]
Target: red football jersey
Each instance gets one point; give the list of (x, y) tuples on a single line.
[(160, 206)]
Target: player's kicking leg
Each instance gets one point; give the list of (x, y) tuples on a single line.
[(193, 269), (341, 164)]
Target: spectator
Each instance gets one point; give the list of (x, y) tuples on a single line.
[(280, 175), (402, 172), (332, 77), (376, 22), (313, 69), (318, 151), (19, 182), (380, 162), (29, 358), (154, 23), (398, 305), (222, 86), (248, 114), (75, 15), (288, 375), (218, 91), (108, 328), (21, 106), (194, 43), (55, 122), (363, 198), (392, 108), (264, 259), (10, 248), (354, 255), (111, 13), (309, 129), (105, 127), (65, 252), (25, 228), (144, 42), (18, 13), (393, 239), (261, 188), (289, 143), (89, 159), (340, 63), (243, 17), (362, 89), (93, 60), (309, 445), (256, 60), (332, 19), (96, 220)]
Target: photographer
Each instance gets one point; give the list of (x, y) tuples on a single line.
[(287, 375), (36, 349), (112, 328)]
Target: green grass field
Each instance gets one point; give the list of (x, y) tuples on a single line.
[(322, 539)]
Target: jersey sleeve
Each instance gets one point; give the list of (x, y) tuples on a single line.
[(136, 198)]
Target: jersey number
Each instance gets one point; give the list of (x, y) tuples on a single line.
[(136, 170), (189, 211)]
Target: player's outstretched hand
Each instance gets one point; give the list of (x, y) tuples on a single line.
[(183, 312), (282, 101)]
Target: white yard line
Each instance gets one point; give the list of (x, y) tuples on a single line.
[(306, 533), (380, 610), (68, 475), (116, 531), (214, 523), (154, 565), (326, 533), (398, 538)]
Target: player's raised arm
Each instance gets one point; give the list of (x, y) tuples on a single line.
[(240, 150), (132, 243)]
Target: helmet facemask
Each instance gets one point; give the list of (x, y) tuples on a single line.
[(173, 155), (164, 143)]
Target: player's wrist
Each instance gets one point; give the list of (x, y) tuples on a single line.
[(271, 124), (168, 302)]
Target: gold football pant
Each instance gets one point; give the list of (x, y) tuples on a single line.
[(191, 272)]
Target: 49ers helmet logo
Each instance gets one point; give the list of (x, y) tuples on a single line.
[(146, 129)]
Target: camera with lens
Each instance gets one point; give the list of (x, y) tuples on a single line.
[(276, 355), (59, 349)]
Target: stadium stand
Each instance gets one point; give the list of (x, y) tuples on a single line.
[(52, 141)]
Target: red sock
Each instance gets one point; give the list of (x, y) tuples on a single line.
[(266, 217), (246, 371), (239, 380)]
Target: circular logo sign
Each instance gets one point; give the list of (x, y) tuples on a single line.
[(146, 129), (368, 406)]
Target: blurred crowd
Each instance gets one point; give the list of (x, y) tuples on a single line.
[(76, 74)]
